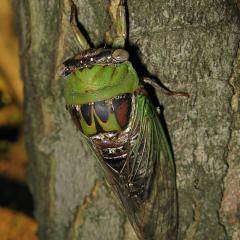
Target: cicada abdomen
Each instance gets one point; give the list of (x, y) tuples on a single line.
[(111, 108)]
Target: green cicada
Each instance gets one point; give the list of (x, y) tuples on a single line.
[(111, 108)]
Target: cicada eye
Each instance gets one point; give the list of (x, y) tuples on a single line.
[(120, 55)]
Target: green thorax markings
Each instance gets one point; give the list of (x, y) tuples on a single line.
[(100, 83)]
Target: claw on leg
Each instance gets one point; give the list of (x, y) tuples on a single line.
[(108, 38), (73, 20), (164, 89)]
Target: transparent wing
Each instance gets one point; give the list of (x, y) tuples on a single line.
[(149, 197), (145, 188)]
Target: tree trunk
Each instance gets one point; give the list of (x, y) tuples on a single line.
[(190, 46)]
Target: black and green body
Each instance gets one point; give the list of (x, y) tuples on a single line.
[(112, 110), (123, 129)]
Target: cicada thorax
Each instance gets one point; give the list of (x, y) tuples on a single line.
[(111, 115), (99, 92)]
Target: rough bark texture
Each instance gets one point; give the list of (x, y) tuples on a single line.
[(189, 45)]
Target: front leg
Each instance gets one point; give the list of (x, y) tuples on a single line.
[(73, 20), (118, 15)]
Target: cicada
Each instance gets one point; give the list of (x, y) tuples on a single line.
[(110, 106)]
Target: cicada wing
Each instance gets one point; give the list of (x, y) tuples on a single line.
[(146, 188), (150, 198)]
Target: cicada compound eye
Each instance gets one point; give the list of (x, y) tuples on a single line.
[(120, 55)]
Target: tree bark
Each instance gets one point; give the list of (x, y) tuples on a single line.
[(190, 46)]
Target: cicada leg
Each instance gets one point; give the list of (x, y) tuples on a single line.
[(63, 69), (108, 39), (118, 15), (73, 20), (157, 85)]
